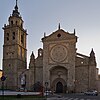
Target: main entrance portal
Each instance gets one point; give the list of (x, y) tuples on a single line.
[(58, 78), (59, 87)]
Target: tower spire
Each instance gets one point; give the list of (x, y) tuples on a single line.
[(16, 7), (15, 11)]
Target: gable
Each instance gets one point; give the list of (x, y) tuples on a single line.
[(59, 35)]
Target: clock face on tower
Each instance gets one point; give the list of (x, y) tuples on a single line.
[(58, 53)]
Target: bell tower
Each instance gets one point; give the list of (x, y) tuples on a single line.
[(14, 48)]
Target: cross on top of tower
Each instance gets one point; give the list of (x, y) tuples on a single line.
[(59, 26), (16, 2), (16, 7)]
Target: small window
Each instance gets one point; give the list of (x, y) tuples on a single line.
[(59, 35), (22, 38), (21, 25), (11, 22), (16, 22), (13, 36), (7, 36)]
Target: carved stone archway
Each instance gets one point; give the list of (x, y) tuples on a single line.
[(59, 85), (58, 78)]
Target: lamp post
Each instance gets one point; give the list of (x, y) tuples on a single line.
[(46, 85)]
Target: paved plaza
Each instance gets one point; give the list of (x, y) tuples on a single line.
[(70, 98), (73, 96)]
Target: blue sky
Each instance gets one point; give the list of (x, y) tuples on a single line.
[(44, 16)]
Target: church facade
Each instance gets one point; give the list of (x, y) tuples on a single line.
[(58, 67)]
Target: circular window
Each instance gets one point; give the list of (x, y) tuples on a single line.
[(58, 53), (59, 35)]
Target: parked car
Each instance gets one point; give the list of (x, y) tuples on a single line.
[(46, 93), (91, 92)]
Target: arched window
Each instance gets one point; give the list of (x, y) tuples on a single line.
[(22, 39), (16, 22), (21, 25), (13, 35), (7, 36), (11, 22)]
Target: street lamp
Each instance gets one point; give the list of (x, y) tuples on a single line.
[(46, 85)]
